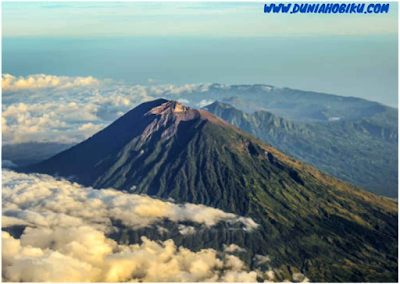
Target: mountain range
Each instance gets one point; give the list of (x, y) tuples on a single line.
[(308, 221), (362, 152), (291, 104)]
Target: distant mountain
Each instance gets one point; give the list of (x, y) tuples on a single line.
[(295, 105), (362, 152), (242, 105), (24, 154), (309, 221)]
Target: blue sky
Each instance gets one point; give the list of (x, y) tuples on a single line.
[(181, 42), (220, 19)]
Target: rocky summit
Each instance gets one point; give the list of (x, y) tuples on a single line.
[(308, 221)]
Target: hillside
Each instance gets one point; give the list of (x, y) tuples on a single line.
[(295, 105), (309, 222), (361, 152)]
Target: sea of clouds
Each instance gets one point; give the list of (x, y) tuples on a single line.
[(57, 231), (66, 229), (47, 108)]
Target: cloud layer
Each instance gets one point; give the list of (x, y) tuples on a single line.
[(43, 201), (10, 83), (66, 236), (84, 254), (47, 108)]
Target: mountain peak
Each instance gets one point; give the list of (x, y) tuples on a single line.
[(177, 112), (169, 107), (164, 149)]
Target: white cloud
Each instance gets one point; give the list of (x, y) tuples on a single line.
[(85, 255), (248, 223), (233, 248), (177, 90), (300, 278), (183, 101), (186, 230), (204, 103), (48, 108), (53, 202), (261, 259), (89, 128), (10, 83), (65, 238)]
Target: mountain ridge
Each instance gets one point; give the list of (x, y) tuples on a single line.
[(359, 152), (309, 220), (292, 104)]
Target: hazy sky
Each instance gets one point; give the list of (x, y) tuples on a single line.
[(345, 54)]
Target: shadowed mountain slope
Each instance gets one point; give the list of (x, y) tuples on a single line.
[(362, 152), (309, 221)]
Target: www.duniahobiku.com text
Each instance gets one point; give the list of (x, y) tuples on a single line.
[(327, 8)]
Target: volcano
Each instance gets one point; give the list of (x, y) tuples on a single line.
[(309, 221)]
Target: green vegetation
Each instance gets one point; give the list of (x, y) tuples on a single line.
[(309, 222), (362, 152)]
